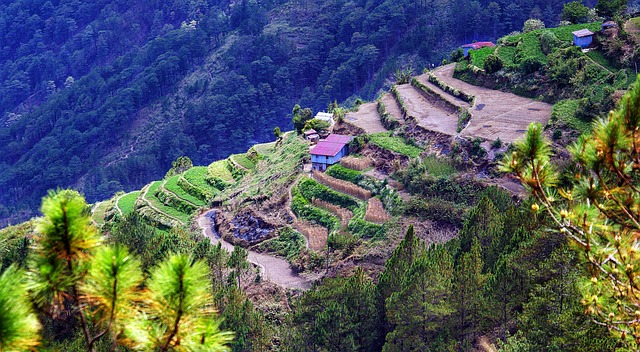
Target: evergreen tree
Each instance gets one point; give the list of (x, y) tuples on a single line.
[(468, 292), (421, 307), (19, 326)]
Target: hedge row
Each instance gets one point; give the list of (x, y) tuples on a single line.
[(388, 121), (453, 91), (310, 189), (426, 90), (194, 190), (403, 106)]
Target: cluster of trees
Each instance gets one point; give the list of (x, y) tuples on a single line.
[(72, 92), (505, 274)]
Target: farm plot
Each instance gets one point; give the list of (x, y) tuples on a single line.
[(426, 114), (367, 118), (496, 114), (171, 185), (127, 202), (392, 107)]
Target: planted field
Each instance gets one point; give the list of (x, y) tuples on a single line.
[(127, 202), (438, 167), (243, 161), (565, 112), (98, 212), (343, 173), (354, 163), (600, 59), (375, 212), (196, 176), (265, 149), (344, 214), (159, 206), (478, 56), (171, 185), (219, 169), (507, 54), (342, 186), (394, 144)]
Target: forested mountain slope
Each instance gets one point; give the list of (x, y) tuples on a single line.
[(103, 95)]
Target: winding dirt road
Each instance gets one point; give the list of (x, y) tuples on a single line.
[(273, 269)]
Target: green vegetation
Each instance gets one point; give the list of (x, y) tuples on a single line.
[(242, 160), (599, 58), (126, 203), (343, 173), (159, 205), (478, 56), (219, 169), (310, 188), (288, 244), (98, 212), (395, 144), (603, 155), (565, 111), (304, 210), (171, 184), (438, 166), (264, 149)]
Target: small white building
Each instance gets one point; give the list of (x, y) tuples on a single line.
[(325, 116)]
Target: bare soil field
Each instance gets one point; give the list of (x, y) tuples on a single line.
[(443, 95), (426, 114), (392, 107), (317, 236), (496, 114), (367, 118)]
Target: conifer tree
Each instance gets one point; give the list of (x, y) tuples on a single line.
[(19, 326), (422, 304), (599, 212), (468, 297)]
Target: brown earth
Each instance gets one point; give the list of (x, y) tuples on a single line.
[(367, 118), (425, 113), (392, 107), (496, 114)]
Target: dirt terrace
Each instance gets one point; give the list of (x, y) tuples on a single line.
[(496, 114), (366, 118), (426, 114)]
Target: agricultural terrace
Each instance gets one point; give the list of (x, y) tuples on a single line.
[(171, 185), (158, 205), (98, 212), (243, 161), (496, 114), (220, 170), (196, 176), (367, 118), (386, 140), (127, 202)]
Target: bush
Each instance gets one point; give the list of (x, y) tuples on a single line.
[(310, 189), (306, 211), (549, 42), (531, 64), (532, 24), (493, 63), (436, 210), (341, 172)]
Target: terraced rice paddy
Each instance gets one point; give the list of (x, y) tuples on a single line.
[(196, 176), (171, 185), (219, 169), (153, 200), (127, 202)]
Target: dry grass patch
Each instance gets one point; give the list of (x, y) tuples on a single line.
[(342, 186), (375, 212), (345, 215), (353, 163), (316, 235)]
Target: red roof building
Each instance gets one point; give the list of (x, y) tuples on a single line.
[(476, 46), (329, 151)]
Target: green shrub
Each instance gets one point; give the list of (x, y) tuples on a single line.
[(549, 42), (388, 121), (343, 173), (464, 116), (310, 188), (306, 211), (394, 144), (493, 63), (436, 210), (288, 244)]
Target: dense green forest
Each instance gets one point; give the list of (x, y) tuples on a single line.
[(104, 95)]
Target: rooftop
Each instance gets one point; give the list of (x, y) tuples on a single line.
[(478, 45), (331, 145), (310, 132), (582, 33)]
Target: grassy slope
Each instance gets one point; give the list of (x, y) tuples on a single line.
[(126, 203), (163, 208), (195, 176), (172, 186), (242, 160), (98, 212), (219, 169)]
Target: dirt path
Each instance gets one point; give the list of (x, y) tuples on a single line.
[(496, 114), (273, 269), (367, 118), (426, 114), (392, 107)]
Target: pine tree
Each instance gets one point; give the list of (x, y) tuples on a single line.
[(468, 295), (599, 212), (423, 303), (19, 326)]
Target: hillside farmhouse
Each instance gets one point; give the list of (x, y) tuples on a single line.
[(475, 46), (329, 151), (312, 136), (582, 38)]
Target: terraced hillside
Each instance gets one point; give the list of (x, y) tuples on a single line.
[(496, 114)]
